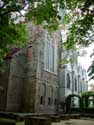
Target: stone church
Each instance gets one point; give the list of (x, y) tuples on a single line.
[(33, 78), (32, 74), (73, 77)]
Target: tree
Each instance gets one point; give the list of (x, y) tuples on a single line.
[(10, 33), (45, 12), (81, 26), (91, 71), (13, 33), (81, 15), (91, 68)]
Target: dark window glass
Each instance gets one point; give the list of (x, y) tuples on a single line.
[(49, 101), (55, 101), (68, 81), (75, 85), (41, 100)]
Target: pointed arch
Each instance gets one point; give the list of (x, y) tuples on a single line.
[(68, 80), (42, 91)]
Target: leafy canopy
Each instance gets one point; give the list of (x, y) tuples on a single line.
[(81, 22), (79, 17), (91, 68)]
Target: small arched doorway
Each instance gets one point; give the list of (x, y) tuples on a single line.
[(73, 103), (87, 102)]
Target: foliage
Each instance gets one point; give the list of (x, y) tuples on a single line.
[(91, 68), (68, 102), (87, 93), (84, 106), (45, 12), (81, 25), (39, 12), (91, 71), (81, 28), (11, 34)]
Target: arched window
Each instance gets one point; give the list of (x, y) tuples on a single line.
[(50, 97), (41, 100), (49, 101), (55, 101), (68, 81), (55, 95), (42, 93), (90, 102), (81, 86), (75, 84), (50, 54)]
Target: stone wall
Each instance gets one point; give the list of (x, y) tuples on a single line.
[(15, 83), (4, 77), (27, 75), (49, 79)]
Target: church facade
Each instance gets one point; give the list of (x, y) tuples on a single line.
[(35, 81), (73, 78), (33, 76)]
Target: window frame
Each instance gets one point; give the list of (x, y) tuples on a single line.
[(50, 55), (68, 81)]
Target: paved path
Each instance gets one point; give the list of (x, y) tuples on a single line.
[(75, 122)]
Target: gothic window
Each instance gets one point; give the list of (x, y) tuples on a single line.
[(68, 80), (80, 86), (42, 94), (50, 55), (55, 95), (49, 101), (41, 100), (75, 84), (55, 101), (50, 98)]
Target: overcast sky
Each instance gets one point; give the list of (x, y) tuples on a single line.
[(85, 60)]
